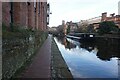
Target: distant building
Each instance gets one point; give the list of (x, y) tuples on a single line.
[(119, 8), (52, 29), (112, 17), (72, 26), (104, 16), (94, 20), (64, 27)]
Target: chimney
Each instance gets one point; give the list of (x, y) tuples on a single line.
[(104, 16), (112, 15)]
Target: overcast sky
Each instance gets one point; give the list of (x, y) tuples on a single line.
[(76, 10)]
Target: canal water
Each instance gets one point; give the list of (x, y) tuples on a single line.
[(90, 59)]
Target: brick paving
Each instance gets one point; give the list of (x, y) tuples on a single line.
[(40, 66)]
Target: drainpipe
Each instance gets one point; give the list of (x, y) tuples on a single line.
[(11, 14)]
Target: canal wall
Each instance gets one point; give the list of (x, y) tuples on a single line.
[(109, 40), (59, 68), (17, 49)]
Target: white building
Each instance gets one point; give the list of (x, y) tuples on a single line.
[(119, 8)]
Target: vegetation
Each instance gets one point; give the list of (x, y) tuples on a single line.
[(18, 47), (60, 30), (86, 29), (57, 31), (107, 27), (90, 29), (16, 32), (68, 29)]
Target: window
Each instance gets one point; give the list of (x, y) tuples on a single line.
[(28, 3)]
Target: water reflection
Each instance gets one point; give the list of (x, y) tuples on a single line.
[(105, 49), (66, 43), (97, 59), (108, 50)]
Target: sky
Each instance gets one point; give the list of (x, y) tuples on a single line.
[(76, 10)]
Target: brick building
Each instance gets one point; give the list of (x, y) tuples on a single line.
[(72, 26), (112, 17), (6, 17), (31, 15), (43, 15), (0, 18), (95, 21)]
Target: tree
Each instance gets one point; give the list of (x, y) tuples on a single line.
[(107, 27), (68, 29), (82, 27), (90, 28), (60, 29)]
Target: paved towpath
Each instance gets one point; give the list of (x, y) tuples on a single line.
[(40, 66)]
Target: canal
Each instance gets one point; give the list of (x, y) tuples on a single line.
[(98, 59)]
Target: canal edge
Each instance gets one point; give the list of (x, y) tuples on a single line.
[(59, 68)]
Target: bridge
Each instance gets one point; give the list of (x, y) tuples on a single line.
[(81, 36)]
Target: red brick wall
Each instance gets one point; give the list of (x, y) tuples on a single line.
[(23, 14), (43, 15), (39, 22), (16, 13), (0, 14), (36, 18), (31, 15), (20, 13), (39, 17), (6, 13)]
